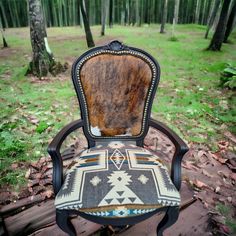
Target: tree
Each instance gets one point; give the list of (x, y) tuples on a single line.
[(5, 45), (88, 33), (176, 16), (230, 23), (164, 16), (197, 12), (212, 17), (137, 13), (110, 13), (43, 60), (103, 16), (219, 34)]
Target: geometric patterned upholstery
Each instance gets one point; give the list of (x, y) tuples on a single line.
[(117, 179)]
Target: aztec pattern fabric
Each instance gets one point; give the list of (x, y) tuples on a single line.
[(117, 179)]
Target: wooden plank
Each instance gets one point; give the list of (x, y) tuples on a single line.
[(82, 226), (23, 203), (36, 219), (31, 219)]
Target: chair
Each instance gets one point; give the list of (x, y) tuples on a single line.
[(116, 181)]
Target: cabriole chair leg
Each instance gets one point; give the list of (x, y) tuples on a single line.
[(169, 219), (63, 221)]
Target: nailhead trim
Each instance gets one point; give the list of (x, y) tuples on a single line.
[(123, 52)]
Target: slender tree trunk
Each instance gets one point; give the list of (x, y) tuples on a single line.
[(2, 12), (164, 17), (110, 13), (103, 16), (87, 7), (197, 12), (176, 16), (127, 13), (87, 29), (219, 34), (42, 56), (137, 13), (5, 45), (203, 11), (230, 23), (212, 17)]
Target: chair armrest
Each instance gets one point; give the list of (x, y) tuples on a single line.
[(54, 151), (180, 149)]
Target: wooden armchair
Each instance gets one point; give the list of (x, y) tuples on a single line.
[(116, 181)]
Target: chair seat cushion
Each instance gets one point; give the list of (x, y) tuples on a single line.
[(117, 179)]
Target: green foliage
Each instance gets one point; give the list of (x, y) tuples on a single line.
[(226, 211), (12, 149), (42, 126), (228, 77), (173, 39)]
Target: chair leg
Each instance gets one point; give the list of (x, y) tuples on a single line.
[(63, 221), (169, 219)]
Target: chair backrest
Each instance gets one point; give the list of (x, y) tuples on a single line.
[(115, 85)]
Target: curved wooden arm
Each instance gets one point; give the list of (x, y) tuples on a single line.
[(180, 149), (54, 151)]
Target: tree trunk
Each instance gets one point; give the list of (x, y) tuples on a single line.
[(111, 13), (164, 17), (43, 59), (3, 16), (127, 12), (197, 11), (176, 16), (87, 7), (219, 34), (137, 13), (5, 45), (230, 23), (212, 17), (103, 16), (87, 29), (203, 11)]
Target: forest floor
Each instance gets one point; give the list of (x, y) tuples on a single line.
[(189, 100)]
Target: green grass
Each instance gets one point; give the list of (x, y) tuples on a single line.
[(227, 213), (188, 99)]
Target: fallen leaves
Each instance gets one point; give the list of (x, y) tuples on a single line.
[(223, 145), (230, 136), (188, 165), (207, 173), (233, 176), (33, 119), (217, 189), (217, 156), (199, 184)]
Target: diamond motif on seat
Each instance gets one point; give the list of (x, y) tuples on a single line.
[(121, 211), (95, 180), (143, 179), (117, 158)]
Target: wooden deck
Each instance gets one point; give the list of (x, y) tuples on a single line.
[(192, 221)]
